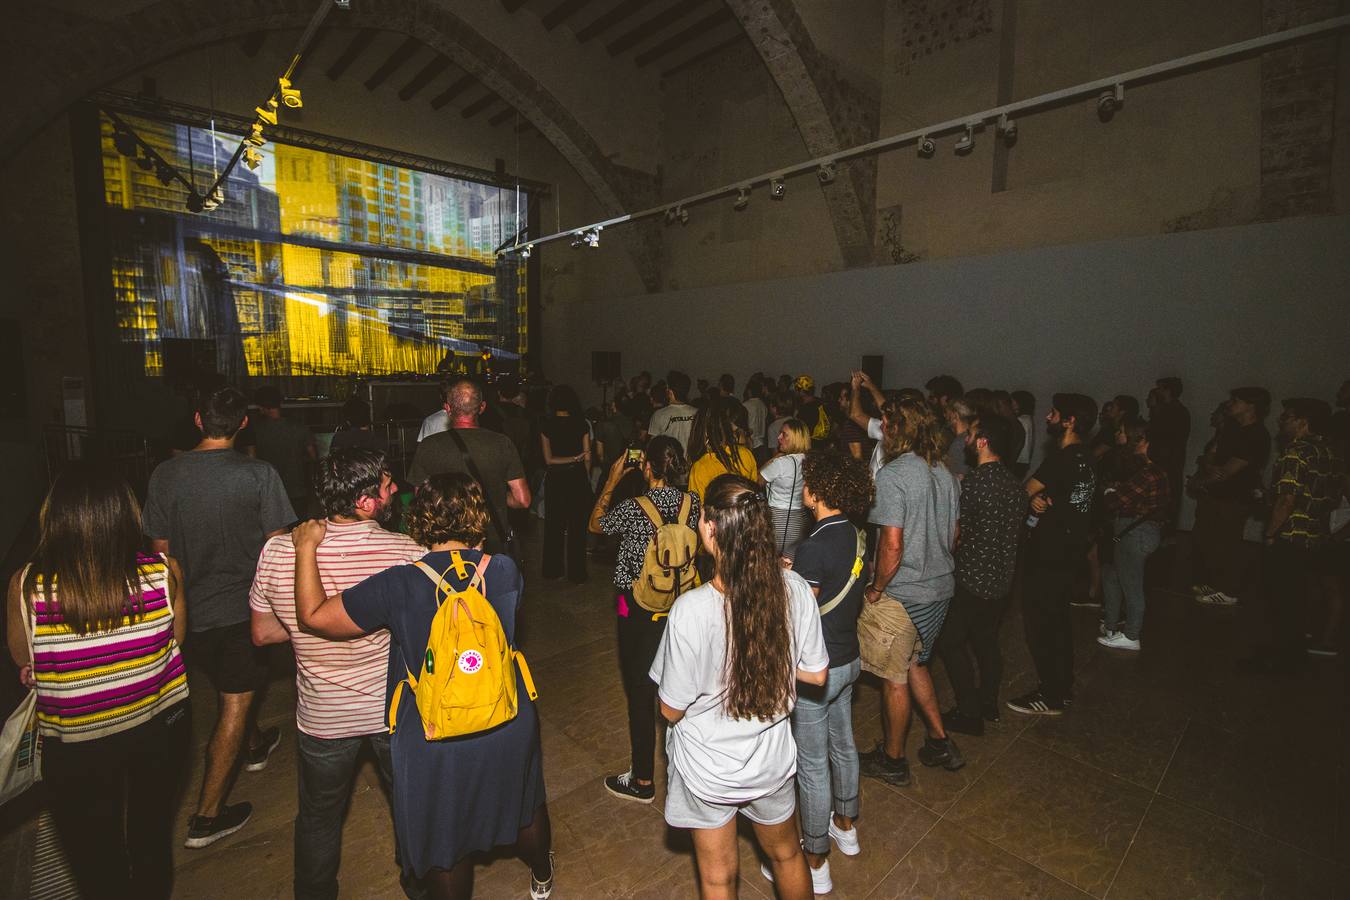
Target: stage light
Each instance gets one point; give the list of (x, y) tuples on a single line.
[(252, 158), (343, 4), (1109, 102), (926, 147), (213, 199), (1008, 128), (164, 173), (967, 141), (145, 162), (826, 173), (195, 204), (267, 113), (526, 251), (682, 214), (742, 199), (125, 142), (290, 96), (670, 215), (592, 237), (777, 188), (255, 135)]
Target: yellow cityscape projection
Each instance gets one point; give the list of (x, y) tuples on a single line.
[(315, 263)]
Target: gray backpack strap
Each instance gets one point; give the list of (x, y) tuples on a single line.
[(852, 578)]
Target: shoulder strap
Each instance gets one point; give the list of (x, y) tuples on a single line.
[(852, 578), (1128, 528), (502, 534), (686, 507), (645, 504), (30, 617)]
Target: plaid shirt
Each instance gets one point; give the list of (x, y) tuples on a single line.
[(1146, 494), (1307, 470)]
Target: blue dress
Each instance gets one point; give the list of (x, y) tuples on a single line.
[(453, 797)]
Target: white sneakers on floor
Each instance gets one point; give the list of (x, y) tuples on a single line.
[(1217, 598), (1117, 640), (820, 878), (846, 841)]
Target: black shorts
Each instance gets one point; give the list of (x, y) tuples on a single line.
[(228, 657)]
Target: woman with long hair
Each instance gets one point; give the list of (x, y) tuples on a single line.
[(452, 798), (718, 445), (838, 491), (659, 469), (95, 624), (565, 440), (726, 675), (782, 476)]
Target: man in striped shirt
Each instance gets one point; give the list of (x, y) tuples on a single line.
[(340, 685)]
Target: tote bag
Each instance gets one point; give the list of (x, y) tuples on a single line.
[(20, 743)]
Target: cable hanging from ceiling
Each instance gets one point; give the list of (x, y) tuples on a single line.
[(1110, 93)]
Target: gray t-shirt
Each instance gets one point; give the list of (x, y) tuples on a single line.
[(493, 454), (285, 444), (215, 508), (925, 501), (675, 420)]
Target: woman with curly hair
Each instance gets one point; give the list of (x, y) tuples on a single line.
[(913, 580), (838, 491), (451, 798), (726, 676)]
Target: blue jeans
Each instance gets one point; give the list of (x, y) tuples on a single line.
[(827, 760), (327, 766), (1123, 577)]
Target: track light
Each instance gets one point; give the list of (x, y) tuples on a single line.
[(777, 188), (145, 162), (926, 147), (682, 214), (670, 215), (213, 199), (742, 199), (290, 96), (267, 113), (255, 135), (1109, 102), (826, 173), (125, 142), (164, 173), (343, 4), (592, 237), (526, 251), (1008, 128), (252, 158), (195, 204), (967, 141)]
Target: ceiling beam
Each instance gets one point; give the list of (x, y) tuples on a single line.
[(479, 105), (360, 41), (703, 54), (453, 91), (502, 116), (406, 51), (667, 16), (562, 12), (423, 78), (319, 37), (252, 43), (720, 16), (616, 15)]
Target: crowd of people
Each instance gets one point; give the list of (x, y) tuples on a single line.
[(767, 550)]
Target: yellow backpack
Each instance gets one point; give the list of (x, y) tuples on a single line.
[(668, 563), (468, 680)]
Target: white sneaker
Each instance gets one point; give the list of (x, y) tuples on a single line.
[(1117, 640), (820, 878), (1201, 589), (1218, 598), (846, 841)]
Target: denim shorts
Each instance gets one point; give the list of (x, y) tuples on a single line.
[(684, 810)]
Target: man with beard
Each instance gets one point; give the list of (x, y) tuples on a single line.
[(1061, 520), (340, 685)]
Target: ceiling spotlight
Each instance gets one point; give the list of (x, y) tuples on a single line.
[(255, 135), (267, 113), (926, 147), (213, 199), (125, 142), (826, 173), (777, 188), (670, 215), (1008, 128), (742, 199), (967, 141), (592, 237), (1109, 102), (526, 251), (682, 214), (252, 158), (289, 95), (578, 238), (343, 4)]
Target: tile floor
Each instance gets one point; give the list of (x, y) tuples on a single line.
[(1171, 777)]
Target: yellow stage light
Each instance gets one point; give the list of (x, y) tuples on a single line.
[(289, 95), (267, 113), (252, 158), (255, 136)]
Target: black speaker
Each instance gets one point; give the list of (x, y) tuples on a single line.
[(872, 365), (605, 366)]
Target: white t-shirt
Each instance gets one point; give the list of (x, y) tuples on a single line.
[(434, 424), (724, 760), (878, 458), (675, 420), (781, 474), (756, 414)]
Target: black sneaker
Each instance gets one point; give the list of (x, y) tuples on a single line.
[(542, 890), (935, 752), (892, 771), (955, 720), (1035, 704), (257, 756), (625, 787), (203, 831)]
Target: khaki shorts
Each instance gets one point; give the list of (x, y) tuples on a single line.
[(888, 640)]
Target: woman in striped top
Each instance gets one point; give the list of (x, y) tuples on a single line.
[(105, 621)]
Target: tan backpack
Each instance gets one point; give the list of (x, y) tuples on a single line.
[(668, 565)]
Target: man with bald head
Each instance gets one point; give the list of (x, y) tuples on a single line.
[(486, 456)]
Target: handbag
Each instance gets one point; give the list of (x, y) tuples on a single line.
[(20, 742)]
